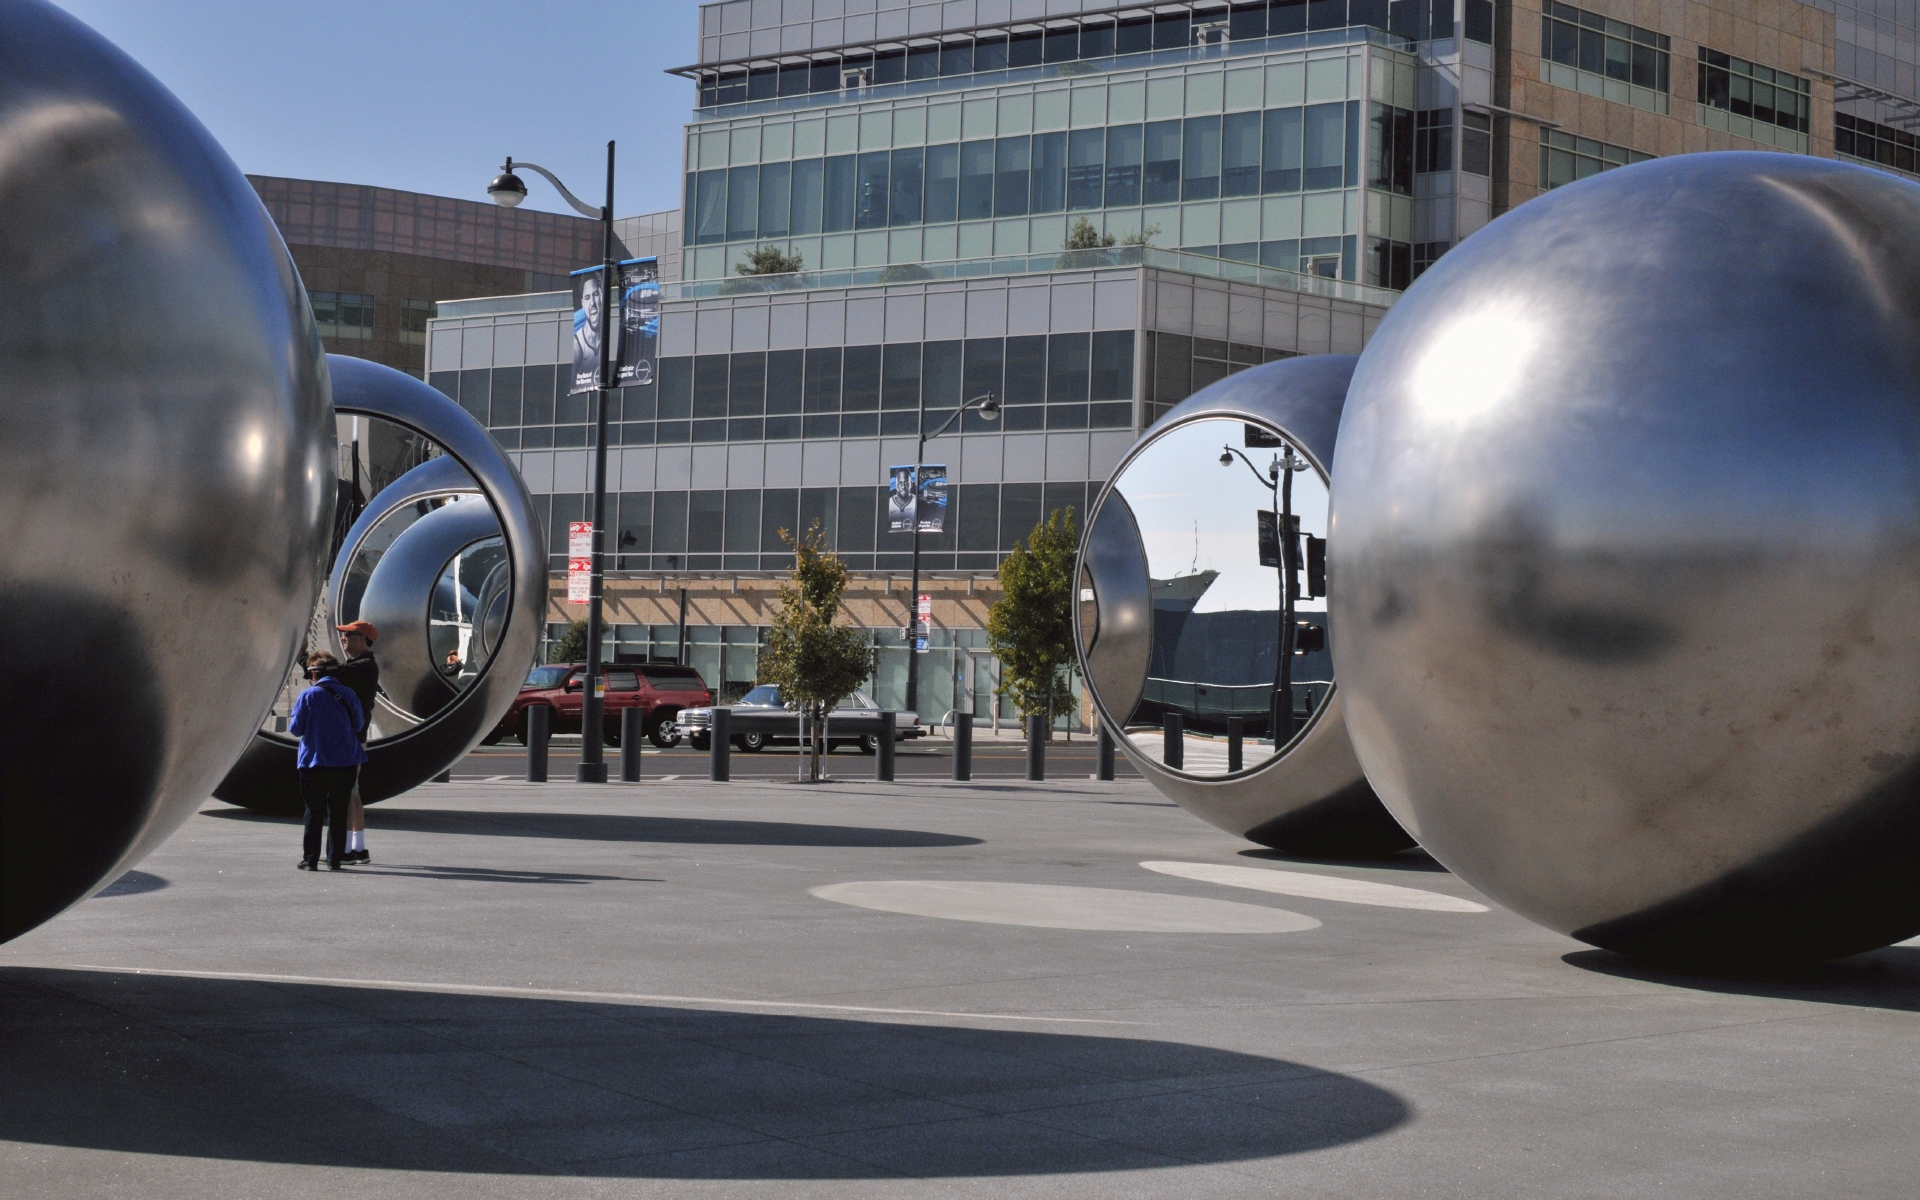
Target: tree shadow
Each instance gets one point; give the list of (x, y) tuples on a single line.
[(625, 827), (133, 883), (221, 1068), (1411, 859), (490, 875), (1887, 978)]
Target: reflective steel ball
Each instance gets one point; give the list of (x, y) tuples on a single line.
[(166, 463), (1626, 559)]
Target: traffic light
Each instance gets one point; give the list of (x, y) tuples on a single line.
[(1308, 637), (1316, 566)]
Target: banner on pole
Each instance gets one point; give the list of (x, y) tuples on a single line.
[(917, 498), (589, 323), (639, 342), (900, 500)]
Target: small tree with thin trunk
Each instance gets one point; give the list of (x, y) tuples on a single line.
[(813, 661), (572, 646), (1030, 627)]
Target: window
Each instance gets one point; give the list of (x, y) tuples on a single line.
[(1881, 145), (1604, 57), (1476, 143), (1752, 101), (1391, 154), (414, 315), (1565, 158), (1389, 263), (1433, 140), (1425, 254), (347, 316)]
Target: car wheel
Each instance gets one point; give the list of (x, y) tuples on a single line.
[(752, 743), (664, 732), (701, 742), (610, 735), (494, 738), (869, 743)]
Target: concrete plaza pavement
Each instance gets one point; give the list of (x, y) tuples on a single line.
[(912, 990)]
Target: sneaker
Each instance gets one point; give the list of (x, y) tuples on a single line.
[(333, 864), (357, 858), (308, 864)]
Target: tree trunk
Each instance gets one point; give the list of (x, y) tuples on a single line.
[(818, 740)]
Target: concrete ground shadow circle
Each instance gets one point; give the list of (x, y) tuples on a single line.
[(1056, 906), (525, 1086)]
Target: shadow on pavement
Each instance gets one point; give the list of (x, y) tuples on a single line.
[(236, 1070), (1413, 859), (622, 827), (133, 883), (489, 875), (1888, 978)]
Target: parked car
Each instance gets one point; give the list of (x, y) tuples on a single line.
[(761, 719), (661, 691)]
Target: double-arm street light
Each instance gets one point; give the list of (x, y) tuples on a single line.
[(1279, 480), (508, 190), (990, 409)]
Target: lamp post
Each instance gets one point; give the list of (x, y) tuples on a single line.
[(990, 409), (508, 190), (1279, 480)]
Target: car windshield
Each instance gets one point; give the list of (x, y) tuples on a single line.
[(766, 695), (547, 677)]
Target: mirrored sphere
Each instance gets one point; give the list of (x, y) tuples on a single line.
[(1626, 559), (1182, 615), (166, 476)]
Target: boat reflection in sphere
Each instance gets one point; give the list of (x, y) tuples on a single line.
[(1179, 620), (1627, 573)]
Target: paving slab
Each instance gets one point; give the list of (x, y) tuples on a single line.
[(648, 991)]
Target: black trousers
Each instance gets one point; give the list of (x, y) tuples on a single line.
[(325, 791)]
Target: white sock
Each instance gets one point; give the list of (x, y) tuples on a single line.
[(356, 839)]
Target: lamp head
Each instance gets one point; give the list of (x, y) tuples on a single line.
[(990, 407), (507, 189), (1226, 458)]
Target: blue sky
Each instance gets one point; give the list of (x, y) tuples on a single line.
[(428, 95)]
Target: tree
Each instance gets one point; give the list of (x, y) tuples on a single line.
[(1083, 236), (572, 646), (1030, 627), (1144, 237), (809, 658), (1086, 248), (770, 260)]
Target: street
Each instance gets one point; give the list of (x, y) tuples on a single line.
[(928, 758)]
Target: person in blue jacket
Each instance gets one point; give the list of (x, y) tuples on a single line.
[(327, 719)]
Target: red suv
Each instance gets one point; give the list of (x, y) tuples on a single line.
[(658, 690)]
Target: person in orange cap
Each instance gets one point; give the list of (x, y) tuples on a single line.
[(362, 674)]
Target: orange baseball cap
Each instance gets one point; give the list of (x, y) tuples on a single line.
[(363, 628)]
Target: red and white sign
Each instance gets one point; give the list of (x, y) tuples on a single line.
[(580, 539), (579, 580), (926, 607)]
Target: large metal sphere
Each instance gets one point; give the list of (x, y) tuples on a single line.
[(1311, 798), (1626, 559), (166, 463), (421, 724)]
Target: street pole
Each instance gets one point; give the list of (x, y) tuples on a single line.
[(593, 766), (990, 407), (1283, 681)]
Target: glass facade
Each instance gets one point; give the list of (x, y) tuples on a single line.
[(1061, 381), (347, 315), (1565, 158), (1870, 142), (1753, 101), (1072, 45), (1177, 366), (1604, 57)]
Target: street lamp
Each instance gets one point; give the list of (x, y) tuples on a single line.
[(508, 190), (1279, 479), (990, 409)]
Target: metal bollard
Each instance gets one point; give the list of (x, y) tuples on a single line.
[(631, 721), (1036, 748), (963, 746), (1280, 721), (445, 776), (883, 758), (1103, 754), (1174, 744), (1236, 740), (720, 765), (538, 718)]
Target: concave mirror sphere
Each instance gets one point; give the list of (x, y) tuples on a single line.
[(1180, 614), (437, 545), (165, 463), (1626, 559)]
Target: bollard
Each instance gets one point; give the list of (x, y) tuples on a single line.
[(538, 719), (1103, 755), (1174, 752), (963, 746), (631, 720), (883, 758), (445, 776), (1280, 722), (1036, 748), (1236, 739), (721, 747)]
